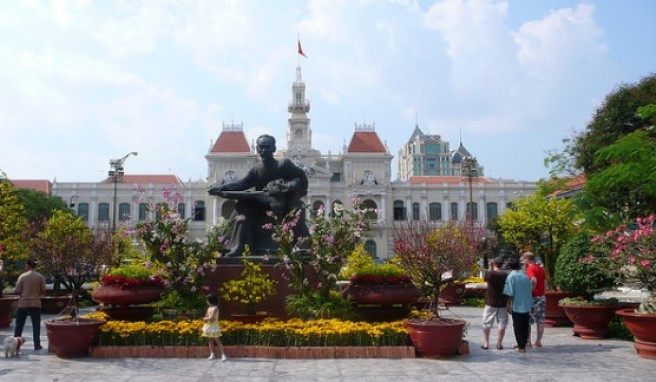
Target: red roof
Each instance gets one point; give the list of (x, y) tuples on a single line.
[(42, 185), (447, 179), (366, 142), (231, 142), (571, 186), (147, 179)]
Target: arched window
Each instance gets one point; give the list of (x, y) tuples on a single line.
[(124, 212), (83, 211), (370, 247), (472, 211), (103, 212), (435, 211), (143, 209), (415, 211), (199, 211), (492, 210), (317, 205), (399, 210), (337, 208), (227, 209), (181, 210), (370, 205), (454, 211)]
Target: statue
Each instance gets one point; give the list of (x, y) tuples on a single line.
[(278, 186)]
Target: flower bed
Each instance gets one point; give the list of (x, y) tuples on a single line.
[(270, 333)]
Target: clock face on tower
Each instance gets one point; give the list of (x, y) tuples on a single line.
[(298, 133)]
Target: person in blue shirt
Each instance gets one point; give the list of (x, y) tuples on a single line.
[(518, 288)]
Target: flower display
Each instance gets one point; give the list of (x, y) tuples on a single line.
[(183, 262), (128, 282), (270, 332), (381, 280), (630, 252), (253, 287)]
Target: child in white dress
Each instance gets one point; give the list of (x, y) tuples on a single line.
[(211, 328)]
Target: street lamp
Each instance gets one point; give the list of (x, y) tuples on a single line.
[(116, 174), (470, 170)]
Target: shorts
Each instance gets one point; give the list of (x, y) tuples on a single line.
[(539, 310), (492, 314)]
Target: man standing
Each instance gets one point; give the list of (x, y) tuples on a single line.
[(518, 288), (31, 286), (539, 281), (495, 304)]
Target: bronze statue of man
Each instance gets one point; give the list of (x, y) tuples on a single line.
[(278, 187)]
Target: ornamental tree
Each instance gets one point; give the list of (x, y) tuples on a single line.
[(428, 253), (542, 225)]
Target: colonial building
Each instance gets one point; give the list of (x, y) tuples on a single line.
[(432, 184)]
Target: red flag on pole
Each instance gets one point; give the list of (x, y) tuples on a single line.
[(300, 50)]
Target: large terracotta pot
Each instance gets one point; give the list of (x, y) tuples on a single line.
[(110, 295), (433, 338), (129, 313), (452, 294), (590, 321), (643, 328), (7, 306), (385, 295), (555, 315), (71, 339)]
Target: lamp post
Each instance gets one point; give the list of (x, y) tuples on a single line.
[(470, 170), (116, 174)]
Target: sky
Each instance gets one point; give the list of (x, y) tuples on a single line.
[(83, 82)]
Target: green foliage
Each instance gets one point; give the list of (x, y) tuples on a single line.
[(617, 329), (615, 118), (314, 306), (133, 271), (477, 302), (580, 277), (39, 205), (582, 301), (358, 260), (541, 225), (67, 250), (624, 187), (173, 299), (12, 228)]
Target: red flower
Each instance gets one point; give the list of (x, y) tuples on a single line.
[(128, 282)]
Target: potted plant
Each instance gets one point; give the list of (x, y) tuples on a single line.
[(70, 336), (125, 289), (377, 284), (630, 252), (69, 253), (427, 253), (252, 288), (583, 279)]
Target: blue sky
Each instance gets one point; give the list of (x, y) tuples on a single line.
[(83, 82)]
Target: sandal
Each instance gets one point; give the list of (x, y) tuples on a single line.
[(499, 347), (483, 347)]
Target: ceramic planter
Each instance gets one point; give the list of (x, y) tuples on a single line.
[(590, 321), (452, 294), (386, 295), (436, 338), (72, 339), (111, 295), (555, 315), (250, 318), (643, 328), (7, 306)]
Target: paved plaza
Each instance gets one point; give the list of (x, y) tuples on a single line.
[(563, 358)]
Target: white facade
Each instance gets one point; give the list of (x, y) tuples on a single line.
[(361, 170)]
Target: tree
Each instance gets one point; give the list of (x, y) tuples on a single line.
[(625, 186), (12, 225), (615, 118), (540, 224), (39, 205), (68, 251)]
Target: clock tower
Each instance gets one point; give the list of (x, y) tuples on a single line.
[(299, 135)]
